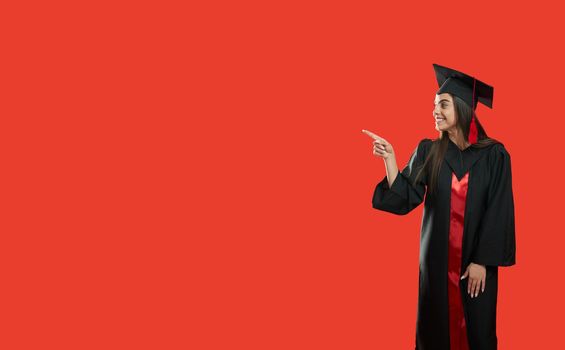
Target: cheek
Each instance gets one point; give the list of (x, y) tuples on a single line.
[(450, 118)]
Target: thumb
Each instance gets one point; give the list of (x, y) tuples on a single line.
[(465, 274)]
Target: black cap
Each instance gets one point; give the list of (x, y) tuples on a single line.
[(462, 86)]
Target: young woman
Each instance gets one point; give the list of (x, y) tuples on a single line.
[(467, 232)]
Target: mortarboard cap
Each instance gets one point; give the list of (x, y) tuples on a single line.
[(463, 86)]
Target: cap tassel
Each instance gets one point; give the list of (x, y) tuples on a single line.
[(473, 134), (473, 131)]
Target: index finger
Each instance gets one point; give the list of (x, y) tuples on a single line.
[(372, 135)]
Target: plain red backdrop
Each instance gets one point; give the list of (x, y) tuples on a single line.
[(193, 175)]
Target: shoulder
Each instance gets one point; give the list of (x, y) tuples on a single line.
[(421, 151), (425, 143), (424, 146), (498, 150), (498, 156)]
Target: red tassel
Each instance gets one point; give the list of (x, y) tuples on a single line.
[(473, 131), (473, 128)]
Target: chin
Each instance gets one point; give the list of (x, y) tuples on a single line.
[(443, 127)]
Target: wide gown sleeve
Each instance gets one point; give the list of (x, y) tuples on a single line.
[(404, 194), (496, 244)]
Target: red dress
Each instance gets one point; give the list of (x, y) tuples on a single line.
[(457, 326)]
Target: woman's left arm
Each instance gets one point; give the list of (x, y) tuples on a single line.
[(496, 244)]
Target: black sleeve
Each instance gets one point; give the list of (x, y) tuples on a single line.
[(404, 194), (496, 236)]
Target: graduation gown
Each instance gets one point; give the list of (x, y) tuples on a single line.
[(470, 218)]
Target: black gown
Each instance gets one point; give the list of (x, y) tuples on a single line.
[(486, 237)]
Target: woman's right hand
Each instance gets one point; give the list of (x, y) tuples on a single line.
[(381, 147)]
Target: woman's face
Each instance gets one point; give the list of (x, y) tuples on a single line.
[(444, 112)]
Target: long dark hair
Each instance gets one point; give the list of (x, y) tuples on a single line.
[(434, 159)]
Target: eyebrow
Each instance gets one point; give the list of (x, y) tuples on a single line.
[(440, 101)]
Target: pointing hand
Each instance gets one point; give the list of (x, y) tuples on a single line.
[(381, 147)]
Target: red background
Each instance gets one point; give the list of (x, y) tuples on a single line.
[(193, 175)]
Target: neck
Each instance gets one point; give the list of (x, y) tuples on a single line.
[(457, 137)]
